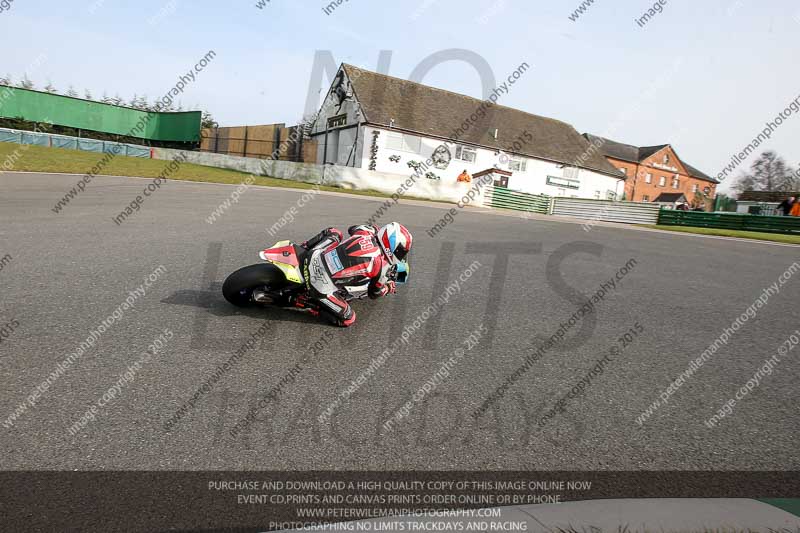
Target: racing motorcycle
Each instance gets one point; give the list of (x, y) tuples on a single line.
[(280, 281)]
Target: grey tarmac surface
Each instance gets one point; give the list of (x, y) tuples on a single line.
[(69, 271)]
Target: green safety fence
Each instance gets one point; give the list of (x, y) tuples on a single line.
[(732, 221), (519, 201), (39, 107), (73, 143)]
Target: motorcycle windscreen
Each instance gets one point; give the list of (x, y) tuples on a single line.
[(403, 270)]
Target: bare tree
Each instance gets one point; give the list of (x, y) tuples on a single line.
[(140, 102), (87, 94), (72, 92), (767, 173), (25, 82), (6, 80), (50, 88), (745, 183)]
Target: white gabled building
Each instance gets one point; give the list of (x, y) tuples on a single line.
[(377, 122)]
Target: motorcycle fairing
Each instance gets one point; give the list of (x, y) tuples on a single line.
[(284, 256)]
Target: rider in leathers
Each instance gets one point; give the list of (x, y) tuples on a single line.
[(335, 264)]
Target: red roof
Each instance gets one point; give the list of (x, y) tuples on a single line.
[(492, 171)]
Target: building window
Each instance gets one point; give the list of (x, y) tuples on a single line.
[(645, 198), (467, 154), (611, 195), (676, 182), (338, 120), (517, 164), (571, 173), (624, 170), (403, 143), (662, 181), (648, 178), (596, 195), (666, 159), (695, 188)]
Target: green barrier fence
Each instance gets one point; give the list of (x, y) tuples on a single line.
[(36, 106), (520, 201), (73, 143), (732, 221)]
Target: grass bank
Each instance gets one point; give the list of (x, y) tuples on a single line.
[(58, 160), (774, 237)]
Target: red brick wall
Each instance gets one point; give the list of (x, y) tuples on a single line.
[(630, 172), (636, 189)]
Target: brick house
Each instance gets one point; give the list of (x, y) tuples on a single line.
[(651, 171)]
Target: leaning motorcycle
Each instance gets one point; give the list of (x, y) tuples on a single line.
[(280, 281)]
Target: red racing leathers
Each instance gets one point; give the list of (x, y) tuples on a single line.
[(335, 267)]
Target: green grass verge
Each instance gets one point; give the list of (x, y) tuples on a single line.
[(58, 160), (790, 505), (775, 237)]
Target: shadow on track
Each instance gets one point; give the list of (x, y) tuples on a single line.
[(213, 302)]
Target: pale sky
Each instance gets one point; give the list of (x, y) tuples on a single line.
[(703, 76)]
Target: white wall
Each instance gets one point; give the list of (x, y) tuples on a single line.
[(288, 170), (533, 180), (345, 177), (743, 206), (359, 178)]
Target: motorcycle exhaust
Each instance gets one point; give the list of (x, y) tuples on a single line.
[(262, 297)]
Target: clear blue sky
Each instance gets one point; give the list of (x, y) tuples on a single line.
[(738, 59)]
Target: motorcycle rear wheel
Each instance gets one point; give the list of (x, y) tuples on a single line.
[(239, 286)]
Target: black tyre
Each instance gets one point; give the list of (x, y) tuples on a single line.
[(238, 287)]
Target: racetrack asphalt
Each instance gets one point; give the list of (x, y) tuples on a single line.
[(69, 271)]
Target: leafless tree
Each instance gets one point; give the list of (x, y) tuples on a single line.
[(769, 172), (25, 82)]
